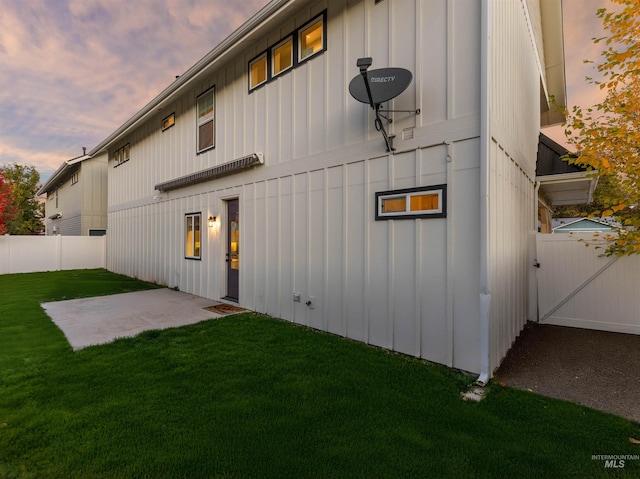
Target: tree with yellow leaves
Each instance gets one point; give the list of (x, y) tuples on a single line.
[(607, 135)]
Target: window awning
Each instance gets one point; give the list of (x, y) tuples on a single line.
[(219, 171)]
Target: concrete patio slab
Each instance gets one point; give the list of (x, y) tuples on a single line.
[(98, 320)]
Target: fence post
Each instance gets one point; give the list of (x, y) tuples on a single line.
[(532, 313), (58, 246)]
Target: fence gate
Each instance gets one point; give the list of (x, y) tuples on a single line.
[(579, 286)]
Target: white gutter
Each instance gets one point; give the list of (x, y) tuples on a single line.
[(485, 141), (273, 8)]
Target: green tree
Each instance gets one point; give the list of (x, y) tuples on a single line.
[(27, 211), (607, 135)]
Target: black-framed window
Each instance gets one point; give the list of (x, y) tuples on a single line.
[(282, 57), (206, 120), (411, 203), (258, 71), (311, 39), (168, 121), (192, 238), (292, 50), (121, 155)]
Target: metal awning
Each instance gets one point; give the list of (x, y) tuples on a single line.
[(201, 176)]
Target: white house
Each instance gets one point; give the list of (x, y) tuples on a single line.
[(423, 249), (76, 203)]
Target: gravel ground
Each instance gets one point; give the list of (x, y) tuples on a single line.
[(598, 369)]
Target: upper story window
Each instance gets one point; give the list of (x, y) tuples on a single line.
[(282, 56), (206, 120), (121, 155), (295, 49), (258, 71), (311, 39), (169, 121), (74, 178)]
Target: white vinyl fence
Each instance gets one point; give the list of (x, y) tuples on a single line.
[(28, 254), (578, 286)]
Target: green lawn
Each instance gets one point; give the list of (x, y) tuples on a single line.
[(252, 396)]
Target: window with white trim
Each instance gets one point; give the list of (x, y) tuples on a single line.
[(410, 203), (121, 155), (293, 50), (206, 120), (282, 56), (311, 39), (258, 71), (74, 178), (193, 222)]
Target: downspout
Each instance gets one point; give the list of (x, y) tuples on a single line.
[(485, 139)]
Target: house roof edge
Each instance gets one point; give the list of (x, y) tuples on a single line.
[(270, 10)]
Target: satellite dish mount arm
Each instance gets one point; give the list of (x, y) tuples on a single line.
[(363, 64)]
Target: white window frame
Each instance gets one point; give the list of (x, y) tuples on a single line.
[(265, 56), (206, 119), (300, 31), (192, 243), (440, 212), (297, 57), (121, 155), (273, 49)]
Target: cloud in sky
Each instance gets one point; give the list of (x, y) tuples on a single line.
[(580, 26), (72, 71)]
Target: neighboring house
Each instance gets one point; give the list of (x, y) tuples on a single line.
[(256, 178), (76, 203), (559, 182), (579, 225)]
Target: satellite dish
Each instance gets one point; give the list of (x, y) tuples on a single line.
[(377, 86), (384, 84)]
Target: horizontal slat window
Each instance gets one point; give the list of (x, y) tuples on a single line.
[(421, 202)]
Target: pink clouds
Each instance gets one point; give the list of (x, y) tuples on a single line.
[(73, 70), (580, 26)]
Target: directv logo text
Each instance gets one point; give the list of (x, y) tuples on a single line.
[(382, 79)]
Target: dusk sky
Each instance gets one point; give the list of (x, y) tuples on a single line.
[(72, 71)]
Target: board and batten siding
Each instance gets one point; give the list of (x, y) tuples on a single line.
[(514, 104), (307, 214), (307, 112), (313, 233)]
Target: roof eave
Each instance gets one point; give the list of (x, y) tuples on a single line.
[(61, 173), (555, 83), (232, 42)]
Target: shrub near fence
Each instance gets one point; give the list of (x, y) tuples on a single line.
[(29, 254)]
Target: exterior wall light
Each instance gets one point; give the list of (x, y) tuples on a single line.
[(212, 221)]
